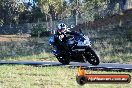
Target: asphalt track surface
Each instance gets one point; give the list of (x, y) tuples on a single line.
[(101, 66)]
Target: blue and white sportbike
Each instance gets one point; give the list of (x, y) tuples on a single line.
[(76, 48)]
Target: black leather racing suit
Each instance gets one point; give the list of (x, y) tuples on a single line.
[(62, 44)]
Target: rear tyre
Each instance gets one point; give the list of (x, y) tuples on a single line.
[(63, 59), (92, 57)]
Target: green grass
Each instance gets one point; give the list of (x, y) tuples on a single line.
[(36, 57), (20, 76), (112, 44), (35, 49)]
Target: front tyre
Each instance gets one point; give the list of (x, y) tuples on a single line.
[(92, 57)]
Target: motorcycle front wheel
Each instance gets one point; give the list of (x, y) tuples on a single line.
[(92, 57)]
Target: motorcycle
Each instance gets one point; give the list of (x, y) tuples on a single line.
[(79, 50)]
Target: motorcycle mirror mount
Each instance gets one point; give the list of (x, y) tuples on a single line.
[(80, 30), (72, 26)]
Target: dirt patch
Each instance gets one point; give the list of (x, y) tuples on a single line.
[(12, 38)]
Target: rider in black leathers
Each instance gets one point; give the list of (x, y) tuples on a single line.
[(61, 36)]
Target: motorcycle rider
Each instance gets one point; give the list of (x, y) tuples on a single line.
[(60, 36)]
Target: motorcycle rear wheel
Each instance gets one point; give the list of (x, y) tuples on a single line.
[(92, 57), (63, 59)]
